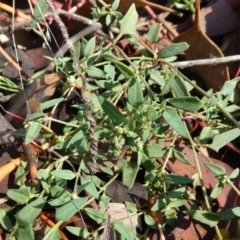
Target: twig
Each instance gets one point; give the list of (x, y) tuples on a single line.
[(46, 15), (92, 123), (210, 61)]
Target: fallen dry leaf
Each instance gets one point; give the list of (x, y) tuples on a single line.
[(201, 47), (39, 91)]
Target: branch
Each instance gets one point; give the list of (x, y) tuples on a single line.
[(210, 61)]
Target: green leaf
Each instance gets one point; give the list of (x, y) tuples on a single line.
[(177, 193), (66, 211), (211, 219), (34, 116), (216, 191), (64, 174), (77, 47), (21, 195), (173, 119), (40, 8), (129, 174), (191, 104), (80, 232), (29, 213), (229, 86), (32, 132), (205, 135), (111, 110), (176, 179), (222, 139), (180, 87), (234, 173), (96, 215), (229, 213), (135, 96), (168, 84), (115, 5), (152, 114), (51, 103), (95, 72), (5, 221), (126, 71), (24, 233), (181, 157), (128, 23), (149, 221), (216, 169), (153, 34), (154, 150), (89, 47), (53, 233), (121, 228), (90, 187), (172, 50)]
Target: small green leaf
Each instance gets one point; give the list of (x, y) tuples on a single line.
[(32, 132), (176, 179), (90, 187), (51, 103), (40, 8), (222, 139), (80, 232), (77, 47), (172, 50), (34, 116), (229, 213), (205, 135), (5, 221), (177, 203), (128, 23), (19, 195), (229, 86), (53, 233), (211, 219), (153, 34), (129, 174), (64, 174), (234, 173), (216, 191), (173, 119), (191, 104), (66, 211), (135, 96), (97, 216), (24, 233), (180, 87), (149, 221), (121, 228), (115, 5), (152, 114), (111, 110), (181, 157), (94, 72), (126, 71), (89, 47), (216, 169), (29, 213), (154, 150), (177, 193)]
